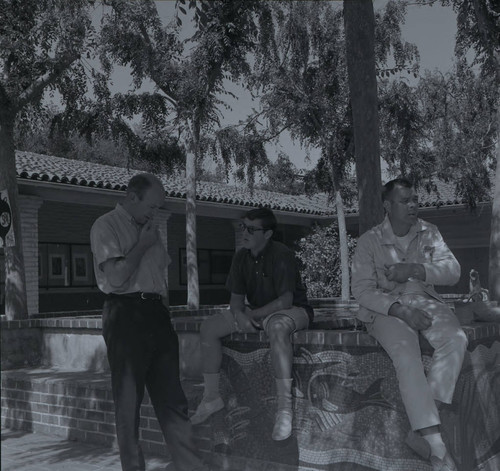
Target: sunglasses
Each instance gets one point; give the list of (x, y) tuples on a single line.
[(249, 229)]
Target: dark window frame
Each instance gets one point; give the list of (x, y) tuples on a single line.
[(210, 282), (44, 257)]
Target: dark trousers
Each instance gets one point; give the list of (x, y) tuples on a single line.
[(143, 351)]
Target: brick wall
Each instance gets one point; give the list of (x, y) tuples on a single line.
[(75, 406), (29, 227), (67, 222)]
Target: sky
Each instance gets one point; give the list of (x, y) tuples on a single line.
[(431, 28)]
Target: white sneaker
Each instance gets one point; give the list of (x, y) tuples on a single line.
[(282, 425), (206, 409)]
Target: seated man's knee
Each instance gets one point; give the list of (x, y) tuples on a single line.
[(458, 339), (280, 328)]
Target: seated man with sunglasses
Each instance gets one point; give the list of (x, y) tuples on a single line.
[(266, 293)]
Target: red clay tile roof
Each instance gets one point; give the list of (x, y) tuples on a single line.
[(76, 172), (443, 196)]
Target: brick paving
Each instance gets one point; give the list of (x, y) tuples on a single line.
[(26, 451)]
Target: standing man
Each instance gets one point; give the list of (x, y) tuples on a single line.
[(143, 350), (265, 272), (394, 269)]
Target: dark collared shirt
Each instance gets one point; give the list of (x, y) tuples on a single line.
[(266, 277)]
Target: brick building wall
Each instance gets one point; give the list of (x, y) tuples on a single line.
[(70, 223), (81, 409), (67, 222), (60, 222), (28, 206), (212, 233)]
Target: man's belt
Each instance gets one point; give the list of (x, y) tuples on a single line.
[(142, 295)]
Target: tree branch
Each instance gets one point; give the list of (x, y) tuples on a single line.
[(276, 134), (165, 88), (37, 88), (422, 3)]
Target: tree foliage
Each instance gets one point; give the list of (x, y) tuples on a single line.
[(243, 150), (478, 24), (283, 176), (403, 137), (188, 75), (444, 127), (319, 254), (392, 53), (459, 111), (43, 46)]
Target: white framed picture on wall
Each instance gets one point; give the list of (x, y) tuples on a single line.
[(81, 265), (57, 264)]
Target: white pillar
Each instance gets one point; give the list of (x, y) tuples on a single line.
[(28, 207)]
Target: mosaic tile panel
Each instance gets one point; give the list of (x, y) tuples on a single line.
[(348, 409)]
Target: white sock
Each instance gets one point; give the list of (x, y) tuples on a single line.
[(211, 386), (438, 448), (284, 393)]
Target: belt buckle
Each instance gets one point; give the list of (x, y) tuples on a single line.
[(142, 296)]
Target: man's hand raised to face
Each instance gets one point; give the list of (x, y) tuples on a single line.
[(148, 235)]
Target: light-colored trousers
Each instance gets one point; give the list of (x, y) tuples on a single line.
[(400, 341)]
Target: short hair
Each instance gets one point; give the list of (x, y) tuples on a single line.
[(140, 183), (389, 186), (265, 215)]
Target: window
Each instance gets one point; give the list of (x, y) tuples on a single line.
[(63, 265), (81, 266), (213, 266)]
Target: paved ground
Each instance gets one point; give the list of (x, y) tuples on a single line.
[(26, 451)]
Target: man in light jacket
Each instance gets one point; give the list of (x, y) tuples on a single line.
[(394, 269)]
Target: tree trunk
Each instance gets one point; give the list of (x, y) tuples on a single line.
[(193, 288), (16, 305), (494, 268), (359, 21), (344, 249)]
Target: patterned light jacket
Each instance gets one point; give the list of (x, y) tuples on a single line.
[(377, 247)]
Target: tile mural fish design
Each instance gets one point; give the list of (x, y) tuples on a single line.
[(348, 410)]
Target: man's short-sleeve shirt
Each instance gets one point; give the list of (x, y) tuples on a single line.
[(113, 235), (266, 277)]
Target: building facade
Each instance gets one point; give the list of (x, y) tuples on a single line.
[(61, 198)]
